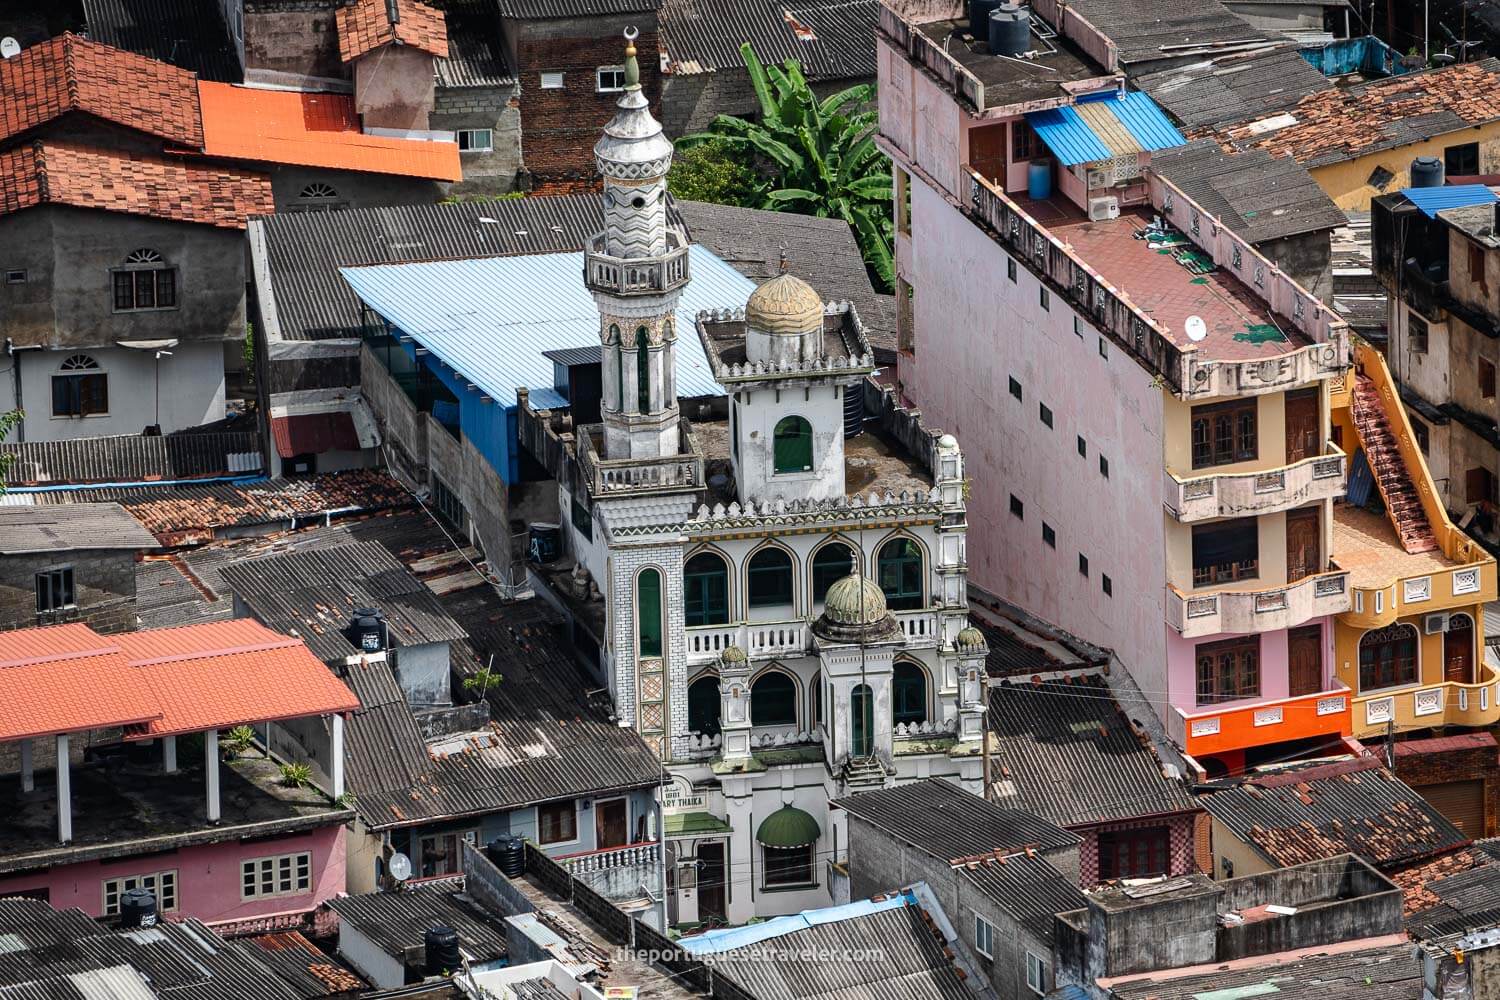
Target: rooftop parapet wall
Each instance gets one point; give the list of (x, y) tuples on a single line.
[(1077, 29), (898, 28)]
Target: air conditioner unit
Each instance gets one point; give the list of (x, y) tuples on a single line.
[(1103, 208), (1098, 179), (1434, 623)]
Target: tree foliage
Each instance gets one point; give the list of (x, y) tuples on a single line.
[(713, 172), (819, 156), (8, 422)]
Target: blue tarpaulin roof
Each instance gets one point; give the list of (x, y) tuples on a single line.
[(1103, 126), (731, 938), (491, 318), (1432, 200)]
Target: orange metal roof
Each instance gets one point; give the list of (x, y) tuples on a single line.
[(71, 73), (366, 25), (311, 130), (228, 673), (68, 678)]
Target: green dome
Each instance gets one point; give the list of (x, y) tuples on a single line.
[(733, 654), (970, 636), (788, 827), (854, 600)]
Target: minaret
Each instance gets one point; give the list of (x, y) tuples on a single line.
[(637, 268)]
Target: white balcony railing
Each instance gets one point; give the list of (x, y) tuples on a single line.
[(760, 640), (1238, 494), (644, 854), (1198, 614)]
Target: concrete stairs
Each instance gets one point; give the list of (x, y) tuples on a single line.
[(1402, 502), (863, 774)]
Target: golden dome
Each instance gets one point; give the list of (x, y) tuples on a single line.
[(785, 305), (854, 600)]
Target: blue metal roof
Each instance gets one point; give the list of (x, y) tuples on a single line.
[(1121, 124), (731, 938), (1432, 200), (490, 318)]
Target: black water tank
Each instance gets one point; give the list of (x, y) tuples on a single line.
[(367, 630), (509, 855), (1426, 172), (1010, 30), (979, 17), (137, 908), (441, 946), (546, 542), (854, 410)]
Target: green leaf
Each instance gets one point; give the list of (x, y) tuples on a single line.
[(770, 112), (860, 93)]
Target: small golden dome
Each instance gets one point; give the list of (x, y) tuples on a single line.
[(785, 305), (854, 600)]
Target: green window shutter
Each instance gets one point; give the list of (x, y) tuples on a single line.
[(642, 371), (648, 611), (899, 571), (705, 591), (793, 445)]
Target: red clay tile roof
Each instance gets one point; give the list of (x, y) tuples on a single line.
[(314, 130), (69, 73), (1416, 881), (1332, 126), (366, 25), (68, 678), (1446, 744), (57, 174)]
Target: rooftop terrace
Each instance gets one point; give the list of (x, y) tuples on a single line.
[(123, 805), (1366, 545), (1053, 64), (1170, 279)]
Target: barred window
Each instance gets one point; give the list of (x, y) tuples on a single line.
[(144, 281), (281, 875), (162, 884)]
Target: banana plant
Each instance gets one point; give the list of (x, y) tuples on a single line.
[(821, 155)]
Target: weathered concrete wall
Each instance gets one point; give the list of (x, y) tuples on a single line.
[(403, 428), (357, 190), (299, 37), (1322, 917), (1157, 934), (1347, 181), (423, 671), (393, 87), (469, 475), (1307, 258), (103, 582), (497, 109)]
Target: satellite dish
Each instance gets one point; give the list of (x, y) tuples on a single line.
[(9, 47), (1196, 328), (399, 866)]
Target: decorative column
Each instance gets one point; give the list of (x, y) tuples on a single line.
[(211, 771), (734, 704), (972, 689), (64, 792), (169, 754), (337, 764)]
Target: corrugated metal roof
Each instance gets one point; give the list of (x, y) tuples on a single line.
[(570, 356), (1432, 200), (489, 319), (188, 34), (398, 921), (831, 39), (132, 458), (1105, 126), (65, 527)]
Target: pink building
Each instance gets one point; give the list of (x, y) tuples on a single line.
[(1145, 397), (124, 781)]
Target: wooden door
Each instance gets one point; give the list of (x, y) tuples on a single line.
[(610, 824), (711, 871), (1458, 650), (1305, 660), (1302, 425), (1303, 543)]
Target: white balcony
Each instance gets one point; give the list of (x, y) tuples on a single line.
[(760, 640), (1211, 612), (923, 629), (1241, 494)]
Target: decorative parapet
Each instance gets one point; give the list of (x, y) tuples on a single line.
[(854, 366), (1211, 612), (603, 272), (606, 477), (1263, 491), (919, 730)]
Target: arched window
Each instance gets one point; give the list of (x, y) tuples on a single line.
[(318, 190), (705, 590), (769, 578), (642, 371), (899, 569), (817, 699), (317, 197), (831, 563), (908, 693), (1388, 657), (773, 700), (80, 388), (793, 445), (648, 611), (144, 281), (703, 706)]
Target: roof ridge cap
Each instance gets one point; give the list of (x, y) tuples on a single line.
[(70, 70), (38, 153)]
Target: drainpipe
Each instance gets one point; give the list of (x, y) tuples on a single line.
[(15, 374)]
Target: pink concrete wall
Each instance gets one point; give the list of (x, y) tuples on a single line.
[(974, 329), (1182, 672), (208, 877)]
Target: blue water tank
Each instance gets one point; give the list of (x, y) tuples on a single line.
[(1039, 180)]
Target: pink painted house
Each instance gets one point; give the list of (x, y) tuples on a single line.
[(1146, 396), (124, 783)]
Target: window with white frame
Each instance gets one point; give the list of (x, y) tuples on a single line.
[(144, 281), (80, 388), (609, 79), (476, 140), (552, 81), (281, 875), (162, 884), (1036, 974), (984, 937)]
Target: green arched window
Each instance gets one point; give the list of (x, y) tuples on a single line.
[(793, 445), (703, 706), (705, 590), (648, 611), (642, 371), (898, 568), (830, 564), (908, 694), (769, 578), (773, 700)]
